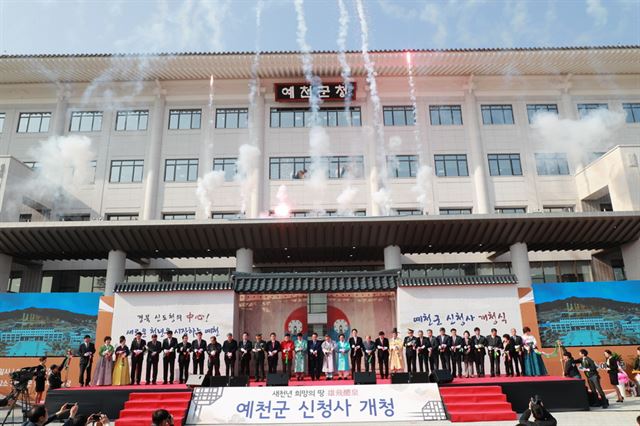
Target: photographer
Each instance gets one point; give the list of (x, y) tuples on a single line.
[(97, 419), (38, 415), (541, 417)]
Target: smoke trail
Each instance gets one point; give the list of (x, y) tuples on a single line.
[(381, 195), (342, 57), (283, 208), (206, 190)]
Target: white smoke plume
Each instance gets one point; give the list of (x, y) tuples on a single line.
[(283, 208), (345, 201), (318, 148), (342, 56), (207, 189), (248, 166), (423, 187)]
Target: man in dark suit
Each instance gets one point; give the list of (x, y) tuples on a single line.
[(229, 348), (494, 345), (422, 348), (153, 348), (444, 349), (479, 343), (432, 349), (169, 346), (456, 353), (356, 351), (590, 370), (184, 357), (244, 348), (85, 352), (259, 348), (518, 352), (315, 357), (382, 344), (369, 348), (273, 347), (138, 348), (199, 347), (214, 349), (410, 342)]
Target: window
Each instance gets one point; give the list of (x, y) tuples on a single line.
[(86, 121), (132, 120), (402, 166), (408, 212), (26, 217), (511, 210), (226, 215), (533, 109), (285, 168), (301, 213), (454, 211), (337, 167), (228, 166), (445, 115), (122, 216), (563, 271), (178, 216), (126, 171), (586, 109), (451, 165), (2, 115), (593, 156), (552, 164), (232, 118), (33, 165), (334, 213), (497, 114), (184, 119), (632, 110), (557, 209), (342, 166), (399, 116), (74, 218), (301, 117), (181, 170), (34, 122), (505, 165)]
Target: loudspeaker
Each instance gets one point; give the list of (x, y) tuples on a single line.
[(419, 377), (196, 379), (400, 378), (218, 381), (277, 379), (238, 381), (364, 378), (441, 376)]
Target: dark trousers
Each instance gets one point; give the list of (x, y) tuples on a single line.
[(183, 367), (286, 367), (411, 361), (245, 362), (383, 364), (168, 365), (456, 364), (152, 366), (479, 358), (315, 367), (356, 362), (136, 368), (258, 366), (433, 360), (370, 363), (508, 365), (445, 360), (85, 367), (518, 362), (273, 364), (423, 362), (213, 366), (230, 366), (596, 387), (198, 364), (494, 363)]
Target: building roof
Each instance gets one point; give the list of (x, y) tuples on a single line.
[(466, 280), (173, 286), (319, 239), (48, 68)]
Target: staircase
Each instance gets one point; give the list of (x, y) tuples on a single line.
[(140, 406), (476, 403)]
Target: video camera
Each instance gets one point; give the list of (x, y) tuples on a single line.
[(20, 378)]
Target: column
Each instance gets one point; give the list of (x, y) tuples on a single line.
[(392, 258), (5, 272), (244, 260), (631, 259), (31, 281), (478, 163), (520, 264), (116, 263), (60, 113), (152, 166)]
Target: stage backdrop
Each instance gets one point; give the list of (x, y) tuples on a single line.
[(368, 312), (588, 313), (266, 313)]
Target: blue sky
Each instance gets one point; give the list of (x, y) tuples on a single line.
[(97, 26), (623, 291), (81, 303)]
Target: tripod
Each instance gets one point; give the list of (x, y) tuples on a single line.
[(23, 396)]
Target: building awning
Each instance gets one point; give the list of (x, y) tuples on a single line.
[(466, 280), (172, 286)]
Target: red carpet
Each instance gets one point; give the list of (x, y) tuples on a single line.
[(505, 379), (476, 403), (142, 388), (138, 409)]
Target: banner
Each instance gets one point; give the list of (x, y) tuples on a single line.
[(313, 404)]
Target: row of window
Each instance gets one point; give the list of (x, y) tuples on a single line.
[(238, 118)]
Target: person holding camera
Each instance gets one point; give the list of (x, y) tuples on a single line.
[(38, 415), (541, 416)]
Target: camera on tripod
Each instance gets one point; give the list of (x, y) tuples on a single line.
[(20, 378)]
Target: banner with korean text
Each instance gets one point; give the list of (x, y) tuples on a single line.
[(313, 404)]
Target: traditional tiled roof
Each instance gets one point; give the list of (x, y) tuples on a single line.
[(173, 286), (466, 280)]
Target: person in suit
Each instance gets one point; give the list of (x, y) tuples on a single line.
[(410, 345), (468, 354), (55, 378), (153, 348), (86, 351), (369, 348), (456, 353), (382, 344), (138, 348), (444, 349), (184, 350), (229, 348), (356, 353), (422, 349), (518, 358), (590, 369), (508, 353), (432, 349), (273, 347), (259, 348), (612, 370), (244, 347), (213, 350), (198, 347), (315, 357), (494, 345), (570, 368), (169, 346), (479, 342)]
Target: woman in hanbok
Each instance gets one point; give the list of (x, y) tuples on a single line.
[(395, 353), (533, 365), (121, 372), (328, 348), (104, 369), (343, 357), (300, 350)]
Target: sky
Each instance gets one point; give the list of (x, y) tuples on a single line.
[(81, 303), (623, 291), (151, 26)]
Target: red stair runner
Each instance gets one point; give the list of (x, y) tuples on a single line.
[(138, 409), (476, 403)]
